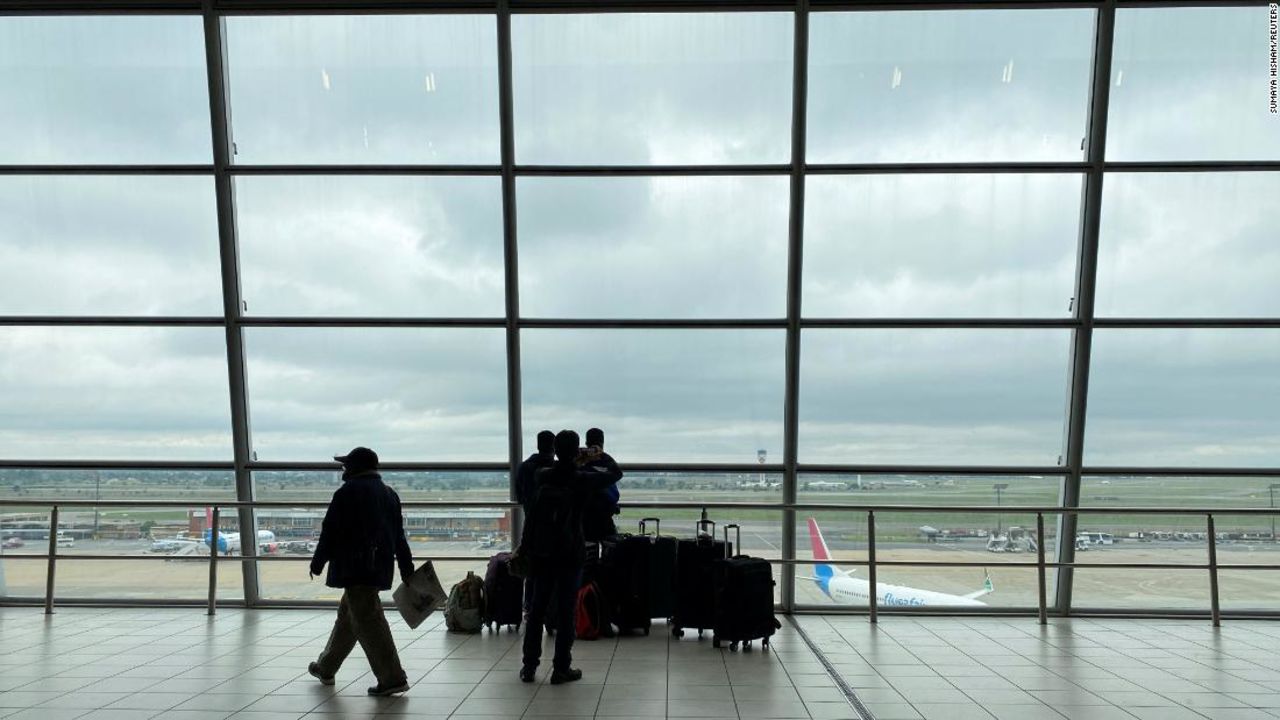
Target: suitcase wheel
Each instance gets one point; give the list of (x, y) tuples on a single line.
[(646, 632), (746, 646), (764, 645), (700, 635), (715, 641), (733, 646), (677, 632)]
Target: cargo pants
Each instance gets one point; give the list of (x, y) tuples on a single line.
[(360, 619)]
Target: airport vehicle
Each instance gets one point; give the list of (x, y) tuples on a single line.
[(840, 586), (13, 542), (1098, 538)]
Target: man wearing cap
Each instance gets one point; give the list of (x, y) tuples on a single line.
[(362, 541)]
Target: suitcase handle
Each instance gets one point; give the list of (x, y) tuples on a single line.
[(657, 525), (697, 528), (738, 531)]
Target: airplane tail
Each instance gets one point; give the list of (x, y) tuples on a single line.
[(988, 587), (823, 572)]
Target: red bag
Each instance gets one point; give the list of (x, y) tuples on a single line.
[(588, 615)]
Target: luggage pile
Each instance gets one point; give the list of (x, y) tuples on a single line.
[(630, 580)]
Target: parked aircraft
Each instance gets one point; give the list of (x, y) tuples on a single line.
[(839, 585)]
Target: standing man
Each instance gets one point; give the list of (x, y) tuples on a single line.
[(362, 541), (527, 490), (597, 519), (553, 539)]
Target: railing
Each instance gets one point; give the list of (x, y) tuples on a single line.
[(1041, 564)]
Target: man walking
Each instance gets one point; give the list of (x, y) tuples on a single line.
[(553, 539), (361, 541)]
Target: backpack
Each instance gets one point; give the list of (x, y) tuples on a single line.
[(464, 610), (551, 528), (589, 616)]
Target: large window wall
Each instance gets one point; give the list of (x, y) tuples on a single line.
[(956, 257)]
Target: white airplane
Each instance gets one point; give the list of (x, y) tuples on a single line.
[(229, 543), (839, 586)]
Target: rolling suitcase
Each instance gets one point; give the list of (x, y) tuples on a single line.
[(503, 594), (662, 570), (743, 599), (694, 596)]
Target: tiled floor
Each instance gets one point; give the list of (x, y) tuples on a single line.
[(1079, 669), (133, 664)]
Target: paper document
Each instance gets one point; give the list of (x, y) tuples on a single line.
[(420, 597)]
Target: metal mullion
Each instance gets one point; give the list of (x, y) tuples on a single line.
[(1086, 285), (56, 464), (995, 470), (649, 170), (795, 265), (1194, 166), (343, 7), (510, 256), (945, 168), (72, 170), (441, 170), (443, 466), (1181, 472), (909, 5), (109, 320), (1013, 323), (220, 125), (1155, 323), (380, 322), (653, 323)]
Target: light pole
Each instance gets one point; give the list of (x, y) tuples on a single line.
[(761, 456), (999, 488), (97, 496), (1272, 491)]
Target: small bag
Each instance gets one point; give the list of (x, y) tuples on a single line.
[(420, 596), (464, 610), (589, 614)]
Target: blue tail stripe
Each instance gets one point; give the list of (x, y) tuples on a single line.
[(824, 573)]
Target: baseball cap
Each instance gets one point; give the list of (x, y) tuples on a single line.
[(359, 457)]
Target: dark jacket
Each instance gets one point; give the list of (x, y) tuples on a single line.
[(527, 479), (586, 481), (362, 539)]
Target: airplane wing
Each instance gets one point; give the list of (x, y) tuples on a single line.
[(987, 588)]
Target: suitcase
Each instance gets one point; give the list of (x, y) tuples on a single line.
[(743, 599), (662, 571), (694, 591), (503, 594)]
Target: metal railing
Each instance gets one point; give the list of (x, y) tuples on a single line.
[(872, 563)]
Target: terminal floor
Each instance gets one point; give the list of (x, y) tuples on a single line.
[(1079, 669), (134, 664)]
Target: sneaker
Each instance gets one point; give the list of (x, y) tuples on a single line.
[(565, 676), (528, 673), (314, 670), (381, 690)]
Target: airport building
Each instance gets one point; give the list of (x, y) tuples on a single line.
[(963, 315)]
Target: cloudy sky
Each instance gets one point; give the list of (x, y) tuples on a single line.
[(1188, 84)]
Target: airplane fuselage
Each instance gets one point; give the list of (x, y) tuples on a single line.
[(853, 591)]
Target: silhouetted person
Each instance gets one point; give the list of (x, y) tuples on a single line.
[(553, 539), (527, 487), (526, 474), (361, 541), (597, 518)]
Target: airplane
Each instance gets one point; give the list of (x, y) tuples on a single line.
[(229, 543), (839, 586)]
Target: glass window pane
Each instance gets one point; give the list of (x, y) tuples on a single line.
[(659, 395), (148, 579), (319, 485), (1189, 245), (673, 88), (940, 245), (103, 89), (154, 393), (411, 394), (1192, 84), (651, 247), (99, 245), (947, 85), (371, 246), (933, 397), (364, 89), (114, 484), (21, 578), (1184, 397), (1126, 588)]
